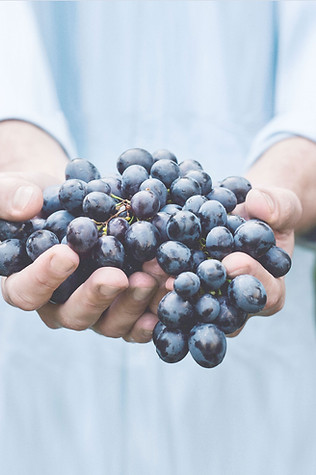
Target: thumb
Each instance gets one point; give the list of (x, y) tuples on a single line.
[(20, 199), (278, 207)]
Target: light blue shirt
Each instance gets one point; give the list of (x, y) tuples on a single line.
[(218, 82)]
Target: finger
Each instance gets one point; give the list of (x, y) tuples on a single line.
[(239, 263), (33, 286), (142, 330), (85, 306), (121, 316), (153, 268), (19, 199)]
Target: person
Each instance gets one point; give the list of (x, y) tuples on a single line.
[(211, 81)]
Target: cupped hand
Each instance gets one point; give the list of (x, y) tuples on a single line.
[(108, 302)]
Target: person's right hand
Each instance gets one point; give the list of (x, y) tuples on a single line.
[(108, 302)]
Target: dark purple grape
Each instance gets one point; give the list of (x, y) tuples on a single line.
[(99, 185), (145, 204), (230, 318), (176, 313), (160, 220), (15, 229), (115, 183), (82, 234), (117, 227), (13, 257), (37, 224), (51, 202), (207, 345), (182, 188), (98, 206), (108, 252), (194, 203), (224, 196), (132, 178), (189, 165), (131, 265), (211, 214), (71, 195), (159, 327), (219, 242), (39, 241), (203, 179), (198, 256), (58, 223), (134, 156), (276, 261), (207, 308), (212, 274), (171, 345), (155, 185), (162, 154), (71, 284), (166, 171), (187, 285), (247, 293), (81, 169), (171, 208), (238, 185), (185, 227), (254, 237), (142, 240), (174, 257), (233, 222)]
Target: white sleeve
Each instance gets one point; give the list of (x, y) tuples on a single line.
[(26, 88), (295, 80)]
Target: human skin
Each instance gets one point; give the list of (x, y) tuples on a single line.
[(109, 302)]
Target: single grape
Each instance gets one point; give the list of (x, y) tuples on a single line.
[(219, 242), (189, 165), (194, 203), (142, 240), (162, 153), (117, 227), (183, 188), (39, 241), (212, 274), (212, 214), (166, 171), (58, 222), (233, 222), (224, 196), (171, 345), (176, 313), (71, 195), (81, 169), (247, 293), (230, 318), (108, 252), (207, 345), (82, 234), (187, 285), (134, 156), (276, 261), (254, 237), (99, 185), (13, 257), (132, 178), (51, 201), (207, 308), (145, 204), (160, 220), (239, 185), (98, 206), (171, 208), (174, 257), (197, 256), (185, 227), (115, 183)]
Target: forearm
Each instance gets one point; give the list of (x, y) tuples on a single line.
[(290, 164), (26, 148)]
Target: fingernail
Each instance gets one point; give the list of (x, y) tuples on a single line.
[(267, 199), (142, 293), (108, 291), (22, 197)]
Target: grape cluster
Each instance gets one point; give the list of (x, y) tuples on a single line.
[(156, 207)]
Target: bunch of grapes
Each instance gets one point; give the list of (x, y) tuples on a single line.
[(156, 207)]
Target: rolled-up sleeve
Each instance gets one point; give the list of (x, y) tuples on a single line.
[(26, 88), (294, 76)]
